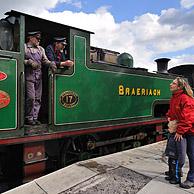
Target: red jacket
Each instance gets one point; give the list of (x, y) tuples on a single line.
[(182, 110)]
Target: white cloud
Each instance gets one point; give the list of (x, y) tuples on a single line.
[(187, 3), (122, 37), (146, 37), (32, 7)]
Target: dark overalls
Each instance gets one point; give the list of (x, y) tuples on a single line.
[(176, 152), (33, 79)]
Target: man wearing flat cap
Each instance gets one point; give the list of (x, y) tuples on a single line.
[(55, 52), (35, 57)]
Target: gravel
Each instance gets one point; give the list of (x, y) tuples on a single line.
[(120, 181)]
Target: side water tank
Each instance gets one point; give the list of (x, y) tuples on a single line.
[(125, 59)]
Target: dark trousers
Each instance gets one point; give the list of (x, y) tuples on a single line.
[(176, 151), (190, 154), (174, 169), (33, 99)]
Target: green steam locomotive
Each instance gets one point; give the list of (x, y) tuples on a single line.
[(101, 105)]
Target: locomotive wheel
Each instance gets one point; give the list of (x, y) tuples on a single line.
[(79, 148)]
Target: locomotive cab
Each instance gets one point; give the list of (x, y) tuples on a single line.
[(13, 30), (48, 32)]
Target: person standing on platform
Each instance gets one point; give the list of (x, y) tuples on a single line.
[(182, 110)]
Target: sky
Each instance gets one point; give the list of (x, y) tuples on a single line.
[(147, 29)]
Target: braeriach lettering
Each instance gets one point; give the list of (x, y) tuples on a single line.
[(126, 91)]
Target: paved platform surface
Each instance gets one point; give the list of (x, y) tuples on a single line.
[(135, 171)]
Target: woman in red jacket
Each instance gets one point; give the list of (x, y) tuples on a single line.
[(182, 110)]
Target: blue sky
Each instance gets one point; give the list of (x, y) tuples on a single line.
[(147, 29), (121, 10)]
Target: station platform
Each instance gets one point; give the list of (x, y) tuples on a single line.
[(135, 171)]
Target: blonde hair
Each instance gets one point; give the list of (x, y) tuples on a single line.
[(183, 84)]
